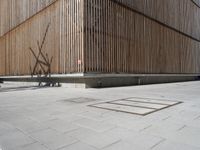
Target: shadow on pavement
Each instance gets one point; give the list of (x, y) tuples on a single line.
[(22, 88)]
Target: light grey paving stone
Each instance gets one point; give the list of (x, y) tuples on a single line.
[(76, 109), (132, 103), (34, 146), (168, 145), (99, 111), (81, 133), (41, 117), (9, 116), (185, 117), (95, 114), (53, 139), (42, 105), (188, 135), (194, 123), (122, 145), (60, 125), (120, 133), (14, 139), (6, 128), (122, 108), (163, 129), (151, 100), (92, 138), (97, 126), (144, 141), (124, 116), (131, 124), (27, 125), (68, 117), (79, 146)]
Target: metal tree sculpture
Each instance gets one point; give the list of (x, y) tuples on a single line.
[(42, 60)]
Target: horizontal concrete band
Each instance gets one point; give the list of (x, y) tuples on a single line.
[(107, 80)]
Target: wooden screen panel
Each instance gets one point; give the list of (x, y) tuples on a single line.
[(2, 57), (72, 36), (64, 40), (178, 14), (14, 12), (103, 36), (134, 43), (18, 56)]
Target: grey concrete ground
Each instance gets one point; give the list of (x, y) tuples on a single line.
[(48, 119)]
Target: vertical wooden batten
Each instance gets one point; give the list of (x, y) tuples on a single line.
[(98, 36)]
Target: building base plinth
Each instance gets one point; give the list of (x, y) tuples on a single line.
[(104, 80)]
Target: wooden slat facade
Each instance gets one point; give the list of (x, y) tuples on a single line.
[(64, 40), (14, 12), (123, 40), (179, 14), (104, 36)]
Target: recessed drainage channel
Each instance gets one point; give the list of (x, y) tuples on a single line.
[(138, 106)]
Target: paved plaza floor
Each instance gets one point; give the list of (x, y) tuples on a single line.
[(60, 118)]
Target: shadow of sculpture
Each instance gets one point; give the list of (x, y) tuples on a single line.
[(43, 63)]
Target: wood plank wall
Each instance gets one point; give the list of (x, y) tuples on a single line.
[(122, 41), (103, 36), (64, 40), (179, 14), (72, 36), (14, 12)]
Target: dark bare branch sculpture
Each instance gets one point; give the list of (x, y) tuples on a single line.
[(43, 62)]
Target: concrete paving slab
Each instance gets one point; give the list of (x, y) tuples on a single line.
[(135, 125), (188, 135), (14, 140), (138, 104), (39, 119), (122, 108), (163, 129), (94, 114), (27, 125), (144, 141), (79, 146), (94, 139), (123, 146), (34, 146), (120, 133), (97, 126), (60, 125), (6, 128), (168, 145), (67, 117), (52, 139), (151, 100), (137, 142)]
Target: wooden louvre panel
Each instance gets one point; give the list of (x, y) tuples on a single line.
[(121, 40), (179, 14), (14, 12), (98, 36), (64, 40)]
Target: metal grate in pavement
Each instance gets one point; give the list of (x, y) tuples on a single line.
[(136, 105), (79, 100)]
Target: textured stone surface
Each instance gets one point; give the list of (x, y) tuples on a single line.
[(43, 119)]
